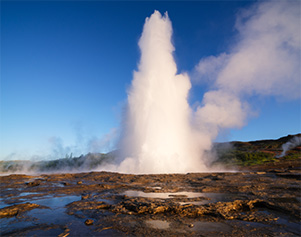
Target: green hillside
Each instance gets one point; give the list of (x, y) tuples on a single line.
[(258, 152)]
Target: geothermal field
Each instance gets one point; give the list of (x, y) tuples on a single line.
[(259, 196), (168, 176)]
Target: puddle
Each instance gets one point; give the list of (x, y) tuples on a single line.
[(2, 203), (54, 215), (9, 189), (110, 202), (290, 226), (13, 223), (8, 201), (197, 203), (57, 202), (103, 198), (27, 194), (210, 197), (132, 193), (51, 232), (213, 197), (283, 229), (281, 225), (254, 224), (157, 224), (211, 227), (60, 185), (283, 220)]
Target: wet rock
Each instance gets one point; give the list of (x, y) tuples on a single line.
[(261, 172), (290, 175), (88, 205), (33, 184), (257, 203), (89, 222), (106, 186), (17, 209), (159, 209), (85, 196)]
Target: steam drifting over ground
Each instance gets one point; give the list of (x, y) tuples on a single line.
[(161, 133)]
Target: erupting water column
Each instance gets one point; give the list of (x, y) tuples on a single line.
[(157, 134)]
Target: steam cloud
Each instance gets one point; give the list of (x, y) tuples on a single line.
[(161, 133), (158, 136), (265, 61)]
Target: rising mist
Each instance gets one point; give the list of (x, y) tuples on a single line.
[(158, 135), (161, 132)]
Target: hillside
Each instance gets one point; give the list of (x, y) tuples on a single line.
[(69, 164), (258, 152), (232, 153)]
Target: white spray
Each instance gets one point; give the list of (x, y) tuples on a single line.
[(158, 136), (161, 133)]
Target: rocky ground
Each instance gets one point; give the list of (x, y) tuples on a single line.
[(262, 200)]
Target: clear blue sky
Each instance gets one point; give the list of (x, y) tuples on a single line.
[(66, 66)]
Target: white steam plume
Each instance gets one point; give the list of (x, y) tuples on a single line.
[(291, 144), (161, 133), (158, 137), (265, 61)]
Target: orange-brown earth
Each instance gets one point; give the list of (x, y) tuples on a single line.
[(262, 200)]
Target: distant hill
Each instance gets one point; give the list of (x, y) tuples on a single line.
[(258, 152), (82, 163), (236, 153)]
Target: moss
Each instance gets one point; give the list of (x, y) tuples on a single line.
[(254, 153), (243, 157)]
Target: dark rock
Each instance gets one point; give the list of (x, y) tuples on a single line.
[(89, 222), (84, 197), (33, 184)]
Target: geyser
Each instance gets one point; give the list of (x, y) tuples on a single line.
[(158, 136), (161, 133)]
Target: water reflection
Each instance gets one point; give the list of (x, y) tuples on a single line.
[(55, 214), (211, 227), (132, 193), (57, 202), (27, 194), (157, 224), (209, 197)]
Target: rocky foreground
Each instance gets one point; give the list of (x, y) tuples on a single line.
[(261, 200)]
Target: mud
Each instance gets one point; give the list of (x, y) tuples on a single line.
[(256, 201)]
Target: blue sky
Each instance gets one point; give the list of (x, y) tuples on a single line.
[(66, 66)]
